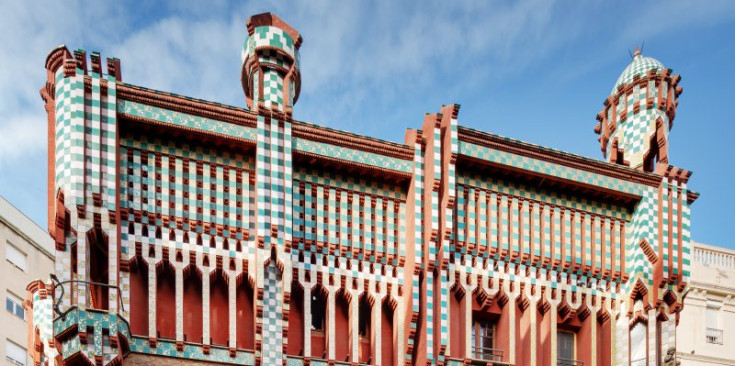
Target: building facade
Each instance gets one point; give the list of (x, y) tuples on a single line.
[(27, 254), (188, 230), (709, 306)]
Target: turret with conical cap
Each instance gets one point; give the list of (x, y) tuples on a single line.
[(637, 116)]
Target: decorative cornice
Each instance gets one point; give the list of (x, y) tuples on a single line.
[(557, 157)]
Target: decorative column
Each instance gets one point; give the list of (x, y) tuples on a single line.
[(272, 81)]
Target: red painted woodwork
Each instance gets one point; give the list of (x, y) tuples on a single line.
[(193, 305), (295, 321), (219, 309), (165, 300), (604, 348), (584, 340), (245, 315), (98, 270), (341, 327), (456, 330), (139, 298), (543, 353), (387, 336)]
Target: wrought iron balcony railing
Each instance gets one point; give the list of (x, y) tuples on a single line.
[(487, 354), (714, 335), (568, 362)]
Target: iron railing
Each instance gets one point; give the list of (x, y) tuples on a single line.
[(714, 335), (487, 354), (60, 285), (638, 362), (568, 362)]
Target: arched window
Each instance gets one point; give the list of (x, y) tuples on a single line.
[(192, 304), (296, 321), (219, 308), (364, 329), (139, 296), (165, 297), (387, 335), (245, 314), (318, 321), (98, 269), (638, 345), (341, 326)]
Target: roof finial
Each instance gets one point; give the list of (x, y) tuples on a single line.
[(639, 50)]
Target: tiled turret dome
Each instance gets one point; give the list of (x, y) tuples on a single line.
[(640, 66)]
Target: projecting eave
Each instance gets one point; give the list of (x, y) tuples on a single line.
[(572, 170), (312, 143)]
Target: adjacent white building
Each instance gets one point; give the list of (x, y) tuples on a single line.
[(25, 254), (706, 333)]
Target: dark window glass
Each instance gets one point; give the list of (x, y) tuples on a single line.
[(364, 319), (318, 311)]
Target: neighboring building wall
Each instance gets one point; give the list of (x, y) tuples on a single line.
[(25, 255), (706, 335)]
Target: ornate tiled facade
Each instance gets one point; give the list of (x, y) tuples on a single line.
[(188, 230)]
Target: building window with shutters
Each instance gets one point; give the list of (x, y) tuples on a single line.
[(483, 340), (713, 331), (638, 345), (15, 354), (14, 305), (16, 257)]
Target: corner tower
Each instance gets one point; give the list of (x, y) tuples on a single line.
[(270, 64), (637, 116)]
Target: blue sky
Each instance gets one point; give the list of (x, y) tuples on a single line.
[(533, 70)]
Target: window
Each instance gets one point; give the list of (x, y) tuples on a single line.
[(318, 311), (364, 317), (482, 340), (15, 354), (565, 348), (713, 333), (14, 305), (638, 345), (15, 256)]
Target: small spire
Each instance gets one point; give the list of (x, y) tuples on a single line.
[(637, 52)]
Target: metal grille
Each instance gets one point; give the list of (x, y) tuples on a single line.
[(714, 335)]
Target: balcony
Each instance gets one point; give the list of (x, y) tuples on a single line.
[(714, 336), (568, 362), (487, 354)]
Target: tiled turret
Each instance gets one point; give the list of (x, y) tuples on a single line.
[(635, 122), (270, 69)]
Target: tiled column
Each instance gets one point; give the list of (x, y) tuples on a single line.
[(331, 303), (205, 306), (232, 299), (152, 283), (179, 302), (553, 296)]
